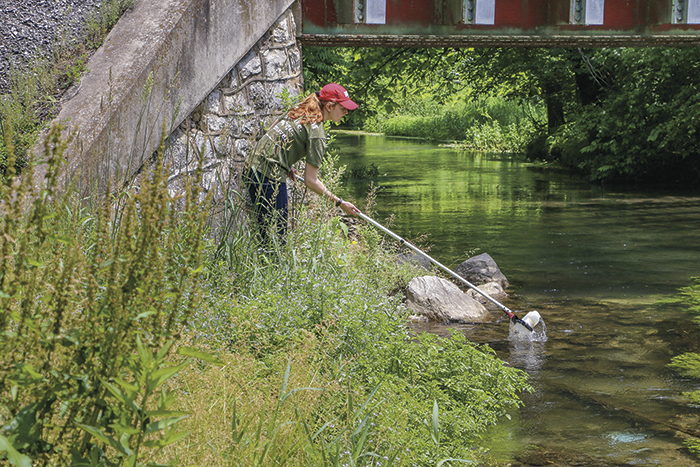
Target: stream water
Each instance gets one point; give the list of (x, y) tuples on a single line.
[(594, 263)]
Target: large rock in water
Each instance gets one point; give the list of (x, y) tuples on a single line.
[(492, 289), (480, 270), (437, 299)]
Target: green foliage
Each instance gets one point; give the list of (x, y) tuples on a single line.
[(688, 364), (101, 22), (448, 124), (492, 124), (613, 115), (97, 297), (74, 71), (694, 446), (336, 289), (136, 425), (472, 387), (91, 308), (323, 65), (433, 427), (645, 129), (382, 80)]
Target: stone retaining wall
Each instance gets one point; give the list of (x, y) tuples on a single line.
[(224, 127)]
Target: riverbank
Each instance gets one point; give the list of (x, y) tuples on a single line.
[(322, 320), (300, 352), (475, 123)]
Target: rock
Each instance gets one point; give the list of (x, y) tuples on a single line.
[(482, 269), (440, 300), (493, 289)]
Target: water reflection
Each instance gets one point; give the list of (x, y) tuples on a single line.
[(555, 235), (593, 263)]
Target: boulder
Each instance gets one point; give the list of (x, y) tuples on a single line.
[(482, 269), (493, 289), (440, 300)]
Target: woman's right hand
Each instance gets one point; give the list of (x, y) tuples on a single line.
[(349, 208)]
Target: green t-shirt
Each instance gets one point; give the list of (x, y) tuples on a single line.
[(286, 143)]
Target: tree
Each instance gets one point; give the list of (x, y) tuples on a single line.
[(644, 129)]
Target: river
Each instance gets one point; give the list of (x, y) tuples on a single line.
[(595, 263)]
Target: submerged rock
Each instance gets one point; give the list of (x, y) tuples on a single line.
[(440, 300), (555, 457)]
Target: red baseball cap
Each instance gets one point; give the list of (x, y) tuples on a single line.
[(336, 93)]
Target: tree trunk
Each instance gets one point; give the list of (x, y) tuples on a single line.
[(555, 112)]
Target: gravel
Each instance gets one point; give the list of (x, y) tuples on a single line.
[(29, 26)]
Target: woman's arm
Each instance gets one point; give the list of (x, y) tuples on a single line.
[(312, 181)]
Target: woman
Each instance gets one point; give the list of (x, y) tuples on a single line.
[(299, 135)]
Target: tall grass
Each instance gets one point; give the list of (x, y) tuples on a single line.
[(321, 368), (489, 123)]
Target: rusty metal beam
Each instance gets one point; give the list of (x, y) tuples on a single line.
[(489, 40)]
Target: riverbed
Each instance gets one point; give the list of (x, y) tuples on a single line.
[(597, 264)]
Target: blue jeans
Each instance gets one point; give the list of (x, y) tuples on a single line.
[(270, 201)]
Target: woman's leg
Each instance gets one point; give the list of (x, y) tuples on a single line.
[(281, 210), (270, 202)]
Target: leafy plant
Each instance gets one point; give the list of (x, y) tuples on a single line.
[(103, 20), (433, 427), (80, 294), (137, 426), (688, 364)]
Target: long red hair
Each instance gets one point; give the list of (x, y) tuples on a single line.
[(308, 111)]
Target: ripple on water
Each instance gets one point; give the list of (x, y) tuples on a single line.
[(538, 334)]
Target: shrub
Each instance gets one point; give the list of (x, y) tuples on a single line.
[(688, 364), (490, 124)]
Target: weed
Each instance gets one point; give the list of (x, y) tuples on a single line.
[(91, 313), (688, 364), (321, 301)]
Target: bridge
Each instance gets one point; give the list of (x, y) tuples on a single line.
[(211, 71), (509, 23)]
